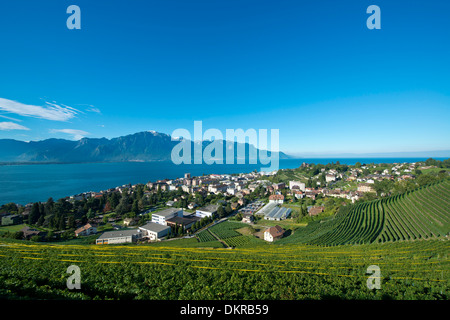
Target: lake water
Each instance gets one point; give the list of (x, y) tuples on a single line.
[(30, 183)]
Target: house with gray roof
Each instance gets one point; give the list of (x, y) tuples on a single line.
[(154, 231), (207, 211), (119, 236)]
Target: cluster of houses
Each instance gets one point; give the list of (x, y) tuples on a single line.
[(231, 185), (160, 225), (234, 185)]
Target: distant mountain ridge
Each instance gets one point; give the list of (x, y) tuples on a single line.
[(141, 146)]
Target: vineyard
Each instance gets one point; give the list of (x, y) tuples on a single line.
[(409, 270), (420, 214), (225, 231), (328, 259), (205, 236)]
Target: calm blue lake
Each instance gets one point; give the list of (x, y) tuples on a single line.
[(30, 183)]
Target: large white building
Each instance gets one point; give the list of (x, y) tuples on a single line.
[(120, 236), (154, 231), (207, 211), (160, 217)]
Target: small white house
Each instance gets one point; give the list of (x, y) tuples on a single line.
[(273, 233), (247, 218), (276, 198)]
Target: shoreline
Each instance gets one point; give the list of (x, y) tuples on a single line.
[(357, 159), (56, 180)]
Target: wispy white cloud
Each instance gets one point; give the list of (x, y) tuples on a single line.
[(10, 118), (93, 109), (77, 134), (86, 108), (12, 126), (51, 110)]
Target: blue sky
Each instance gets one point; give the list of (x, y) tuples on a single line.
[(311, 69)]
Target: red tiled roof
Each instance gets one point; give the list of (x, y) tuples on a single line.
[(276, 197), (83, 228), (315, 210), (276, 231)]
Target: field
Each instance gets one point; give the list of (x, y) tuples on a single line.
[(409, 270), (12, 228), (205, 236), (227, 232)]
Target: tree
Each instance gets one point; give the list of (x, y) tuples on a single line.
[(71, 222), (18, 235), (431, 162), (41, 209), (9, 208), (220, 211), (322, 180), (107, 207), (40, 221), (425, 179), (142, 203), (34, 214), (114, 200), (123, 206), (49, 236), (35, 238), (142, 221), (135, 207), (304, 211), (383, 187), (62, 223), (90, 214), (49, 206)]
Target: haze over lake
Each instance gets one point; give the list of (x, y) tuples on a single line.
[(30, 183)]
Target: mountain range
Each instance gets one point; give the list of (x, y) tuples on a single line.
[(141, 146)]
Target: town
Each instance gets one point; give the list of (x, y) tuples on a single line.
[(272, 204)]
